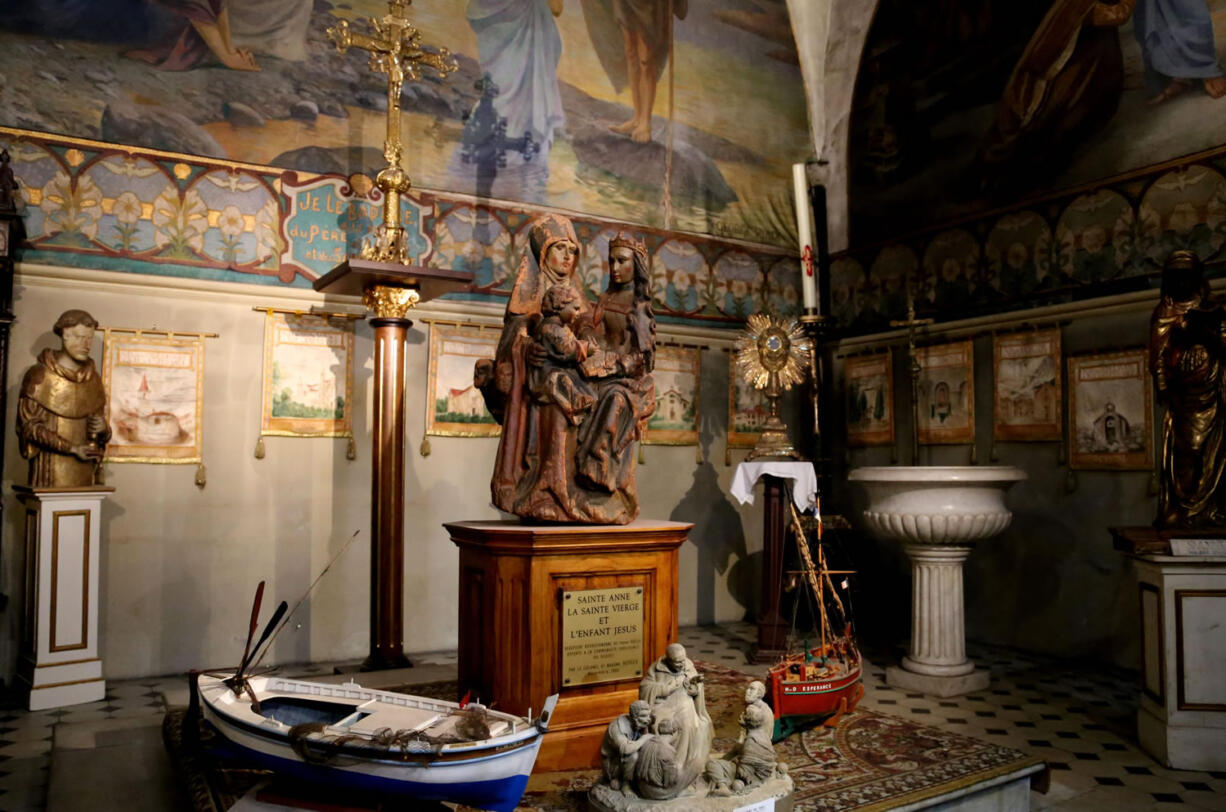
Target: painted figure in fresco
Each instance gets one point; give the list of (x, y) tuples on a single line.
[(232, 32), (619, 752), (675, 690), (206, 29), (1177, 44), (546, 468), (645, 27), (1064, 88), (519, 48), (1186, 354), (61, 413)]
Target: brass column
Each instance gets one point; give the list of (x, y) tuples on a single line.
[(390, 304)]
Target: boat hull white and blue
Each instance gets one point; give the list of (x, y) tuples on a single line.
[(377, 742)]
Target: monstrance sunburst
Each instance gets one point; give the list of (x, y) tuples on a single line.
[(772, 355)]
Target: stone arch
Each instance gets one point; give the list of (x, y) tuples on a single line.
[(830, 37)]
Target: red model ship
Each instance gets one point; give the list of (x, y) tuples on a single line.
[(822, 681)]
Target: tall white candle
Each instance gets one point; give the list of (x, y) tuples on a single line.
[(804, 229)]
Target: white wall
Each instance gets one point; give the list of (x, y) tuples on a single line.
[(180, 563)]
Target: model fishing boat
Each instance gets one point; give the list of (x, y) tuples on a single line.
[(819, 683), (378, 742), (382, 743)]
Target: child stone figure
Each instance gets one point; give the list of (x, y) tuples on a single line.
[(751, 761), (559, 380)]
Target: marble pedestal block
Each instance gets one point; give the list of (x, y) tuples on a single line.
[(1181, 721), (59, 663)]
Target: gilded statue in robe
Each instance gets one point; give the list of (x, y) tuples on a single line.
[(1187, 350), (571, 382), (61, 412)]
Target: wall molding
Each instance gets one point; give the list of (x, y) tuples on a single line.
[(1138, 301), (81, 280)]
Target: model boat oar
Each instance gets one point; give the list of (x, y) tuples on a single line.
[(241, 684), (237, 680), (272, 624)]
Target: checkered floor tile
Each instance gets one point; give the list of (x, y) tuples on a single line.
[(1081, 721)]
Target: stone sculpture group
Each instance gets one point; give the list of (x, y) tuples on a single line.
[(660, 750)]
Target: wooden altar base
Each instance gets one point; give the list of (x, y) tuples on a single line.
[(512, 578)]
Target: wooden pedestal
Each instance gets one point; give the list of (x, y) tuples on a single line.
[(59, 663), (772, 628), (512, 577)]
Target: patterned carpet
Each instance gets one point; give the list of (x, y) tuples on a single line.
[(871, 760)]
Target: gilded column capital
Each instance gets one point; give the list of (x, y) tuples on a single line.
[(390, 301)]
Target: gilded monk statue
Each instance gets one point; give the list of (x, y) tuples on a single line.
[(61, 413), (1187, 350)]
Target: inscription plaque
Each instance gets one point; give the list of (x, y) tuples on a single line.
[(1210, 546), (602, 635)]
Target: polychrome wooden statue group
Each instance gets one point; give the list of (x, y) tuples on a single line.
[(571, 382)]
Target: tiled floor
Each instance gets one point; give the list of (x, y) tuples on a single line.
[(1081, 721)]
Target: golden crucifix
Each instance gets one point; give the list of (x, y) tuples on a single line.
[(396, 51)]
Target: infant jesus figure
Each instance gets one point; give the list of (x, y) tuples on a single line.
[(559, 378)]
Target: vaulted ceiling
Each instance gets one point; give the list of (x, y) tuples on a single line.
[(830, 36)]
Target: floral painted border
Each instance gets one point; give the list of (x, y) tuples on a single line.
[(97, 205), (1078, 244)]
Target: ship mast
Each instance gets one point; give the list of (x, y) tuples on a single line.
[(817, 576)]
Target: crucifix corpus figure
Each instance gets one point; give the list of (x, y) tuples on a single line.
[(395, 50)]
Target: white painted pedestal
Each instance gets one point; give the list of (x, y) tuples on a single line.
[(1182, 718), (59, 662)]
